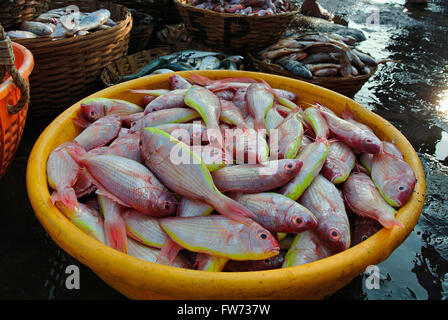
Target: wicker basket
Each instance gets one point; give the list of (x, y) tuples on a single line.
[(233, 32), (13, 13), (347, 86), (131, 64), (68, 69)]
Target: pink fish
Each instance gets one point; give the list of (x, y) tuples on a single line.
[(183, 172), (62, 173), (207, 104), (114, 225), (127, 146), (189, 133), (364, 199), (174, 115), (339, 163), (99, 133), (324, 200), (246, 145), (173, 99), (277, 213), (129, 183), (178, 82), (254, 178), (93, 109), (231, 114), (129, 121), (259, 101), (354, 136), (239, 100), (394, 178)]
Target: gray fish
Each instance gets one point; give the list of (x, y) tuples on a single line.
[(92, 21), (39, 28), (210, 63), (20, 34), (296, 67)]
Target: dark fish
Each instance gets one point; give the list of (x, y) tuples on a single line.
[(320, 57), (365, 58), (274, 262), (296, 67), (363, 228)]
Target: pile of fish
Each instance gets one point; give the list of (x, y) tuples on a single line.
[(63, 22), (243, 7), (226, 175), (187, 60), (175, 34), (309, 55)]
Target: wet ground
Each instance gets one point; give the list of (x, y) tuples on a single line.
[(413, 95)]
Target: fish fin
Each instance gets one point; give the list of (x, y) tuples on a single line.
[(77, 154), (347, 114), (115, 234), (67, 196), (80, 121), (168, 253), (199, 80), (389, 223), (103, 192), (323, 140), (233, 210)]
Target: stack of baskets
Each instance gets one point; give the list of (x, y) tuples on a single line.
[(68, 69), (250, 34)]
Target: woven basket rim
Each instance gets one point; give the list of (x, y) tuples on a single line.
[(121, 24), (221, 15), (107, 69), (314, 79)]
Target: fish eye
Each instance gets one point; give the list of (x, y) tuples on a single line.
[(133, 123), (364, 237), (289, 166), (334, 234), (195, 266), (166, 206), (92, 114), (155, 109), (298, 221), (401, 188), (369, 140), (263, 235)]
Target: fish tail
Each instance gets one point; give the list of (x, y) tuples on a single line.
[(115, 234), (168, 253), (80, 121), (200, 80), (77, 154), (67, 196), (389, 223), (323, 140), (347, 113), (233, 210)]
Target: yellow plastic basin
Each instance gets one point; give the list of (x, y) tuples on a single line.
[(139, 279)]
